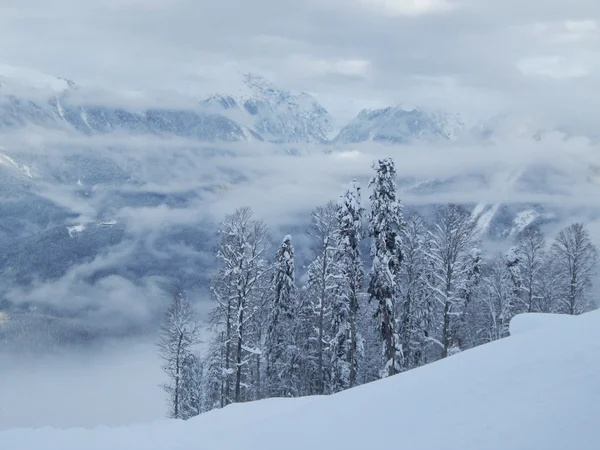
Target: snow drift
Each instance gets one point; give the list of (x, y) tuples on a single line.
[(535, 390)]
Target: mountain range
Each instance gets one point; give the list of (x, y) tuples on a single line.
[(95, 231), (264, 112)]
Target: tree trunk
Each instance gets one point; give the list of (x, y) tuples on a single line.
[(406, 332), (530, 292), (388, 336), (177, 375), (258, 381), (446, 329), (320, 381), (238, 379), (353, 340), (572, 295), (227, 398)]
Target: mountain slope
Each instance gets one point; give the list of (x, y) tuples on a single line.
[(398, 125), (275, 114), (535, 390)]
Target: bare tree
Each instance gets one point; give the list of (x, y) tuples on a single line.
[(452, 239), (178, 333), (241, 254), (575, 258), (498, 299), (531, 251), (324, 278)]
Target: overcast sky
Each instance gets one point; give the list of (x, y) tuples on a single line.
[(464, 55)]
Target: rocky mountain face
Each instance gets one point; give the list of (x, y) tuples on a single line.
[(276, 115)]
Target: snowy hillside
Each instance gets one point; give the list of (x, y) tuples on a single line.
[(538, 389)]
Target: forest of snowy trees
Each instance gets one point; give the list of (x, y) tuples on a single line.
[(429, 292)]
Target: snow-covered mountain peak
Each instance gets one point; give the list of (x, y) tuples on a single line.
[(276, 114), (400, 124)]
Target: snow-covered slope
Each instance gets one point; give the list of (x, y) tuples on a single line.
[(535, 390), (273, 113), (399, 125)]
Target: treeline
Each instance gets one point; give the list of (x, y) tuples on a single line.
[(430, 292)]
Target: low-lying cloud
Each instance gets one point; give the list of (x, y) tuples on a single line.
[(168, 195)]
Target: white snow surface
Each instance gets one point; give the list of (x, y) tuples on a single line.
[(75, 230), (536, 390), (524, 323)]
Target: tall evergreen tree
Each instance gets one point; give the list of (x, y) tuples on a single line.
[(346, 342), (280, 347), (467, 327), (192, 386), (385, 224)]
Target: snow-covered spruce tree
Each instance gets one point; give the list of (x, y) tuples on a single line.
[(214, 377), (242, 265), (323, 285), (385, 225), (280, 346), (346, 344), (452, 240), (468, 328), (575, 258), (416, 306), (530, 247), (369, 368), (192, 386), (178, 334), (305, 333)]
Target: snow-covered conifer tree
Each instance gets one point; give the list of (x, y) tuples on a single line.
[(280, 347), (467, 328), (385, 224), (346, 341), (192, 386)]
